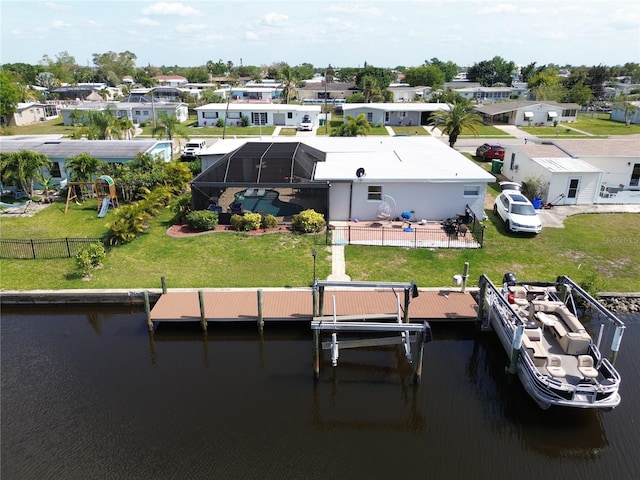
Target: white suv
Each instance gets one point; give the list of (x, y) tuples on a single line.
[(306, 124), (516, 212), (193, 149)]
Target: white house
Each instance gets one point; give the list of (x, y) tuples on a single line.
[(527, 112), (268, 114), (403, 92), (137, 112), (579, 171), (30, 113), (619, 114), (416, 174), (393, 113)]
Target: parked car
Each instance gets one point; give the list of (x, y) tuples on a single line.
[(517, 212), (306, 124), (490, 151), (193, 149)]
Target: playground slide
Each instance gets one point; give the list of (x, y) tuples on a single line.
[(105, 206)]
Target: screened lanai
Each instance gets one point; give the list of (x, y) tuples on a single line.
[(264, 177)]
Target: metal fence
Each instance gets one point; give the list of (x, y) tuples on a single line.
[(44, 248), (431, 235)]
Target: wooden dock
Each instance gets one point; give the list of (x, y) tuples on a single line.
[(297, 305)]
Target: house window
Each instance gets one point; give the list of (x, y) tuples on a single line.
[(54, 171), (374, 192), (137, 112), (145, 113), (370, 117), (289, 114), (209, 114), (259, 118), (569, 113), (233, 115), (471, 191), (387, 116)]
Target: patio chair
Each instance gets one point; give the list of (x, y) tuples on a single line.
[(260, 192), (462, 230), (236, 208)]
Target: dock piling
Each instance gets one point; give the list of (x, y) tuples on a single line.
[(163, 282), (260, 315), (203, 318), (147, 310), (515, 348)]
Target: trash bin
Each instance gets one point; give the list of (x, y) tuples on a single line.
[(496, 166), (322, 122), (537, 203)]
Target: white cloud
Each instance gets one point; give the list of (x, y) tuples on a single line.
[(60, 24), (275, 18), (146, 21), (171, 8), (251, 36)]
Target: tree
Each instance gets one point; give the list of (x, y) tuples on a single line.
[(303, 71), (597, 76), (449, 69), (83, 167), (112, 66), (169, 126), (288, 83), (209, 95), (198, 75), (429, 76), (46, 80), (381, 75), (490, 72), (217, 69), (354, 127), (9, 95), (23, 167), (457, 118), (370, 88)]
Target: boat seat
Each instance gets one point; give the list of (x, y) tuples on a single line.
[(554, 366), (585, 366), (539, 352), (519, 296), (575, 343)]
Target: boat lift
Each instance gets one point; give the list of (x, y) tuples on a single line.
[(369, 323)]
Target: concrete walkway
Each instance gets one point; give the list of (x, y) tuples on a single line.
[(554, 217), (338, 265)]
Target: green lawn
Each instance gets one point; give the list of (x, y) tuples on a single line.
[(485, 131), (53, 126), (414, 130), (600, 247), (596, 125)]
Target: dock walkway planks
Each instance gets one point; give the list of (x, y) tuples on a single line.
[(297, 305)]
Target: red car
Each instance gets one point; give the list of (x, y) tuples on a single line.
[(490, 151)]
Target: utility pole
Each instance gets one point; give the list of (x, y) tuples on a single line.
[(326, 113)]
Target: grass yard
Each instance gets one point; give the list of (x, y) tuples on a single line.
[(598, 249), (50, 127), (413, 130), (601, 249), (594, 125), (485, 131)]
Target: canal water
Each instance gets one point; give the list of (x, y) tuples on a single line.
[(86, 394)]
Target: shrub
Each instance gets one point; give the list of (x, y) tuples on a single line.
[(181, 208), (220, 123), (244, 121), (236, 222), (269, 221), (535, 187), (308, 221), (89, 258), (202, 220), (246, 222), (252, 221)]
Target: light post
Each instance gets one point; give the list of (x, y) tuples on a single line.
[(314, 254)]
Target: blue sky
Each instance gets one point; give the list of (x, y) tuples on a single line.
[(383, 33)]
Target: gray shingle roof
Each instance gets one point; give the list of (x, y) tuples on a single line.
[(104, 149)]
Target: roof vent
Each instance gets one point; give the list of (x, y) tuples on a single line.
[(360, 172)]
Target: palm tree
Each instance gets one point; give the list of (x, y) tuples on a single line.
[(354, 127), (83, 167), (23, 166), (127, 128), (288, 83), (370, 89), (170, 127), (458, 117)]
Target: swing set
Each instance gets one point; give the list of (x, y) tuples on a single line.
[(103, 188)]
